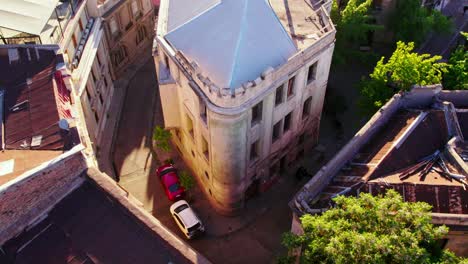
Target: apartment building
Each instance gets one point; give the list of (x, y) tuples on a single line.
[(80, 37), (242, 85), (128, 27)]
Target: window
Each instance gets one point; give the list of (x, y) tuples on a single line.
[(74, 41), (119, 55), (94, 76), (291, 87), (141, 35), (306, 108), (105, 81), (88, 93), (312, 73), (287, 122), (254, 149), (208, 177), (203, 111), (100, 99), (96, 116), (98, 59), (114, 28), (276, 131), (301, 138), (282, 165), (205, 148), (257, 113), (135, 11), (189, 125), (166, 61), (279, 95), (80, 24)]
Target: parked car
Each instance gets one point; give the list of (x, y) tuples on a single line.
[(170, 181), (186, 219)]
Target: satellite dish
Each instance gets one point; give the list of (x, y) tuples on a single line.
[(63, 124)]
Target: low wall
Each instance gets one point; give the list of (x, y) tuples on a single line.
[(25, 200)]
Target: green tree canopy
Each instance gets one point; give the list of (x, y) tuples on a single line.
[(456, 77), (370, 229), (410, 21), (353, 24), (162, 137), (402, 70)]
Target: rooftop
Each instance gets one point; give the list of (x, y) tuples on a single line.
[(414, 149), (88, 227), (248, 37), (34, 100)]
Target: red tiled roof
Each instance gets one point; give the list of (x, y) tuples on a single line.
[(40, 112)]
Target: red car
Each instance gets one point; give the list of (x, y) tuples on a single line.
[(170, 181)]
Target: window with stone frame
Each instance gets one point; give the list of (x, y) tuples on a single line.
[(287, 122), (141, 34), (312, 73), (276, 131), (279, 95), (306, 107), (257, 113), (254, 150), (291, 87)]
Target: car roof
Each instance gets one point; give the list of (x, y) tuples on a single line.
[(187, 215)]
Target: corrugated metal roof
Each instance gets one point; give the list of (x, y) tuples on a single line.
[(233, 41), (30, 107), (26, 15)]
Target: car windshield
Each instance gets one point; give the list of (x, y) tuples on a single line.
[(174, 187), (181, 208), (168, 170), (194, 228)]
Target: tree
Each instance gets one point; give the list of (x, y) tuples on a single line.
[(353, 25), (162, 137), (411, 22), (456, 77), (370, 229), (403, 69), (186, 181)]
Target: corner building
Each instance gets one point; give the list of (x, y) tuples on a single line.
[(242, 84)]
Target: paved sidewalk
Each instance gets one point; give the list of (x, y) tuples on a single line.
[(110, 130)]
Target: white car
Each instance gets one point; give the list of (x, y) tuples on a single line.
[(186, 219)]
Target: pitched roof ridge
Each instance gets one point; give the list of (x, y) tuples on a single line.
[(239, 39)]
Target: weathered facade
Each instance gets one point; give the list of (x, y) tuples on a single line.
[(128, 27), (416, 145), (243, 97)]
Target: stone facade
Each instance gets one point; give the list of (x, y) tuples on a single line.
[(128, 27), (239, 141)]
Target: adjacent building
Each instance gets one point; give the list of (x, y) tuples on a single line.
[(128, 27), (81, 39), (417, 145), (242, 85), (37, 116), (65, 212)]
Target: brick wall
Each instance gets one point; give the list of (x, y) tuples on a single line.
[(24, 201)]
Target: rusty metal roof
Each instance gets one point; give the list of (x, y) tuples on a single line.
[(406, 138), (31, 112)]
